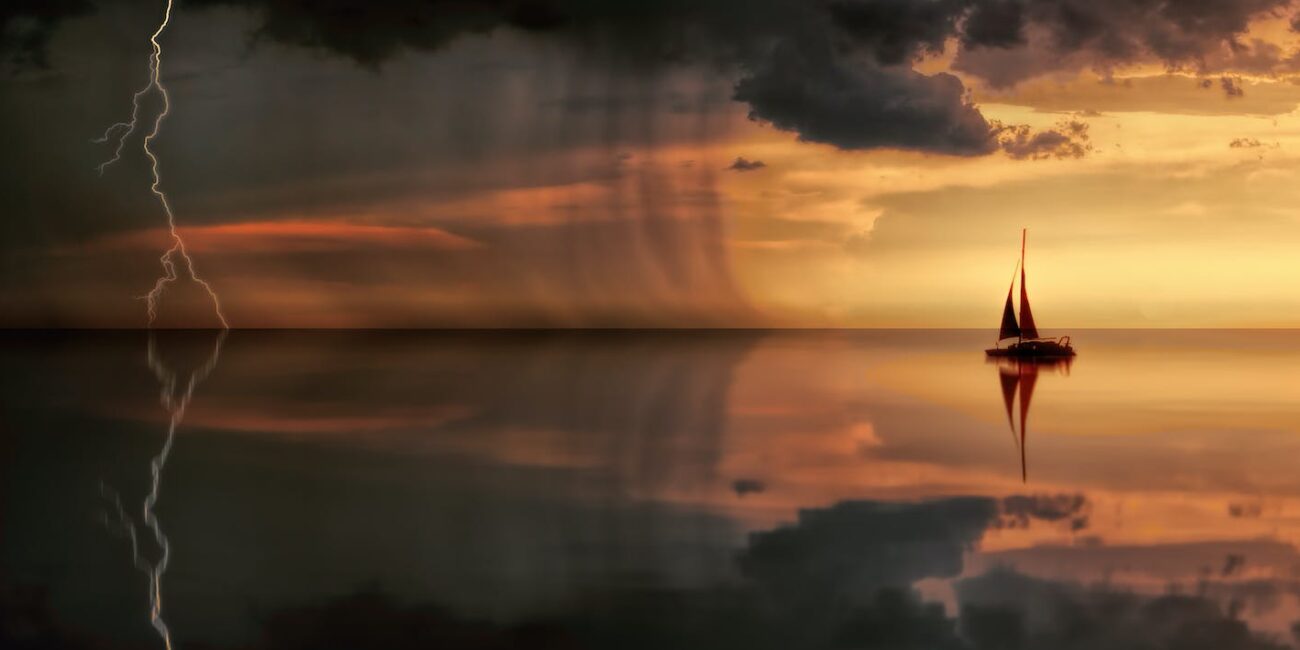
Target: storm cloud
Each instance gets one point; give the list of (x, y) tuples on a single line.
[(27, 25), (396, 112), (839, 73), (1040, 37), (862, 105)]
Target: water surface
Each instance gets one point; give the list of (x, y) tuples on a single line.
[(647, 490)]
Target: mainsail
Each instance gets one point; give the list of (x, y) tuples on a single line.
[(1027, 328), (1009, 327)]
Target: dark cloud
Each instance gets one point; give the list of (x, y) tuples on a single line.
[(895, 32), (1069, 139), (855, 103), (1067, 35), (745, 486), (373, 32), (1255, 56), (1124, 30), (1244, 143), (838, 76), (1231, 87), (742, 164), (838, 73), (995, 24), (26, 27)]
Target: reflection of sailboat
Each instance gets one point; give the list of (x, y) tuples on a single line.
[(1020, 376), (1028, 344)]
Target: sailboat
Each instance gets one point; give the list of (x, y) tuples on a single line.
[(1028, 344)]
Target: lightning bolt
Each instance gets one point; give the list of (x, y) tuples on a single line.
[(176, 263), (119, 132)]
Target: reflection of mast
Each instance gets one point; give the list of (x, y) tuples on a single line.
[(175, 397), (1020, 376)]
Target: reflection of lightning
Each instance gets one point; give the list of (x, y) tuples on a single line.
[(174, 402), (120, 132)]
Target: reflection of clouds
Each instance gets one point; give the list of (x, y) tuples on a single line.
[(526, 477), (650, 410), (860, 547), (817, 418), (1151, 566), (1257, 581), (1019, 509), (1003, 608), (839, 577)]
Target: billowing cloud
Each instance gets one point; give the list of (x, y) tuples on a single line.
[(1068, 140), (862, 105), (840, 77), (742, 164), (1066, 35), (897, 32)]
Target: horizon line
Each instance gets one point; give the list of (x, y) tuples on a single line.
[(616, 329)]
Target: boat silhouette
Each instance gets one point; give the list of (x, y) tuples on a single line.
[(1028, 343)]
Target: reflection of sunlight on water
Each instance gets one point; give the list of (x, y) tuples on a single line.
[(177, 383), (532, 478)]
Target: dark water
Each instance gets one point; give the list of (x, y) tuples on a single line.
[(657, 490)]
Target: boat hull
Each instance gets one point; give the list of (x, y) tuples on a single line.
[(1033, 350)]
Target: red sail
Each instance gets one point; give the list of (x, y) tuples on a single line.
[(1027, 328), (1009, 327)]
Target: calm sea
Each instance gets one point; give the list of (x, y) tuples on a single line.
[(865, 489)]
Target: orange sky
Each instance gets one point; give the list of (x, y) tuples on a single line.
[(402, 207)]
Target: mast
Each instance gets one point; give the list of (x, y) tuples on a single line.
[(1028, 329), (1020, 336)]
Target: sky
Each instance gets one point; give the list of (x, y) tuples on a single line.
[(716, 163)]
